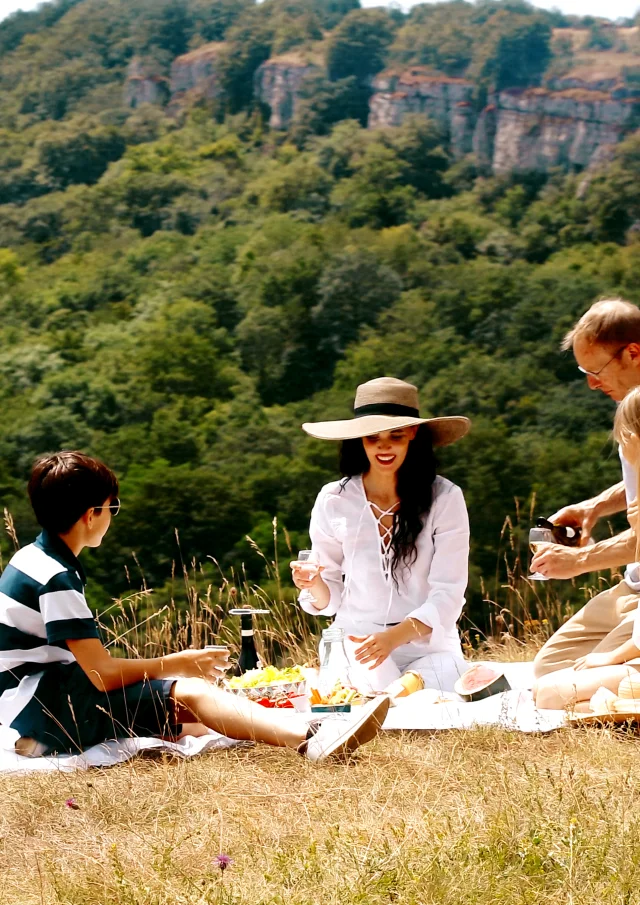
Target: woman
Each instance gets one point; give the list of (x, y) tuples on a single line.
[(610, 661), (391, 539)]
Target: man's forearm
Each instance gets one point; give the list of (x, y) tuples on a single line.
[(610, 501), (610, 553)]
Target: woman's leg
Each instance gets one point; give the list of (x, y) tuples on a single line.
[(234, 716), (440, 671), (571, 687)]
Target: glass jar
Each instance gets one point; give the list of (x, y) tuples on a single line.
[(334, 665)]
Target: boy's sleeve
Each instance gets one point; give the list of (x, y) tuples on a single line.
[(64, 610)]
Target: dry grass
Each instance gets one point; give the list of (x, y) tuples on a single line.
[(444, 819), (478, 817)]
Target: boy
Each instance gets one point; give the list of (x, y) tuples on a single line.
[(62, 690)]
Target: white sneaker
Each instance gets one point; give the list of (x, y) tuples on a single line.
[(342, 736)]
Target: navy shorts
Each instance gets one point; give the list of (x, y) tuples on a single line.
[(69, 714)]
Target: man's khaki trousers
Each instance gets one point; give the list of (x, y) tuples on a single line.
[(603, 624)]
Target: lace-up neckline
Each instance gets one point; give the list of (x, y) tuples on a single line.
[(385, 533)]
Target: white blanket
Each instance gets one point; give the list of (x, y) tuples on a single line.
[(510, 710)]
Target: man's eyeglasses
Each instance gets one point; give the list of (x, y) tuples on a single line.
[(597, 373), (114, 507)]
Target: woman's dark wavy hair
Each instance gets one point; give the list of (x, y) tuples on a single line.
[(415, 490)]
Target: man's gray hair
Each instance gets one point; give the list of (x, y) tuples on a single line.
[(609, 322)]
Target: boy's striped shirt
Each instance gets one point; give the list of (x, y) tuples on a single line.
[(42, 606)]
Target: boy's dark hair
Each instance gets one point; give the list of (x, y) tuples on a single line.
[(64, 485)]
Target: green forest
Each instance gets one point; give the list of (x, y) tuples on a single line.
[(178, 293)]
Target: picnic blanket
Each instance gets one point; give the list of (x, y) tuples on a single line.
[(513, 710)]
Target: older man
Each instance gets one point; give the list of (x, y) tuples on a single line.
[(606, 346)]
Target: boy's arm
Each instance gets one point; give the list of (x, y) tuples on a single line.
[(109, 673)]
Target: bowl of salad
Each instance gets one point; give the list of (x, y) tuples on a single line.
[(272, 687)]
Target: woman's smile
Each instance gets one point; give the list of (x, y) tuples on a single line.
[(386, 458)]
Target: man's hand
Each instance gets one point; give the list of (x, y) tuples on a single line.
[(556, 561), (373, 649), (632, 515), (593, 661), (579, 515)]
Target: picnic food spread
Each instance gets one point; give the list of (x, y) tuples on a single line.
[(269, 675), (340, 694), (270, 686)]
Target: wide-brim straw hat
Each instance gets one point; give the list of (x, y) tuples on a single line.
[(386, 404)]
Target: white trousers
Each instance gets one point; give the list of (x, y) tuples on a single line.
[(439, 670)]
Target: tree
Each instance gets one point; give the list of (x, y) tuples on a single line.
[(79, 157), (514, 53), (248, 45), (439, 35), (377, 194), (600, 37), (353, 290), (357, 47)]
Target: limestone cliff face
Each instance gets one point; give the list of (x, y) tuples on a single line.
[(194, 73), (539, 129), (277, 83), (532, 129), (448, 101), (143, 86)]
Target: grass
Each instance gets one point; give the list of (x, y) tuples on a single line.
[(465, 817), (445, 819)]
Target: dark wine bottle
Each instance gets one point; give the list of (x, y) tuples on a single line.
[(567, 535), (248, 658)]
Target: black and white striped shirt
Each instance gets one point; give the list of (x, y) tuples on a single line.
[(42, 606)]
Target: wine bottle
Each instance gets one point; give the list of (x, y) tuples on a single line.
[(248, 658), (567, 535)]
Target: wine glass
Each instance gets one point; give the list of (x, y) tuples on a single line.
[(308, 563), (538, 536)]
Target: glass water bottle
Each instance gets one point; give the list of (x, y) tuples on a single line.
[(335, 663)]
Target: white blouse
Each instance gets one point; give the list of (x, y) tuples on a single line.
[(364, 598)]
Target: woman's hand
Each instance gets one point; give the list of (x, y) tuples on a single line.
[(593, 661), (373, 649), (303, 576), (197, 664)]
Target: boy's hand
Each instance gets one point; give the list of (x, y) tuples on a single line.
[(200, 664)]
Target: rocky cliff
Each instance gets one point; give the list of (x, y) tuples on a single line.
[(277, 84), (142, 86), (448, 101), (539, 129), (532, 129), (195, 74)]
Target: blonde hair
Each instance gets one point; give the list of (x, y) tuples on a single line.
[(609, 322), (627, 422)]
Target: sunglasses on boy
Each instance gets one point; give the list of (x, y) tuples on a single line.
[(114, 507), (597, 373)]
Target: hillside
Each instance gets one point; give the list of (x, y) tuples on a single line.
[(182, 283)]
